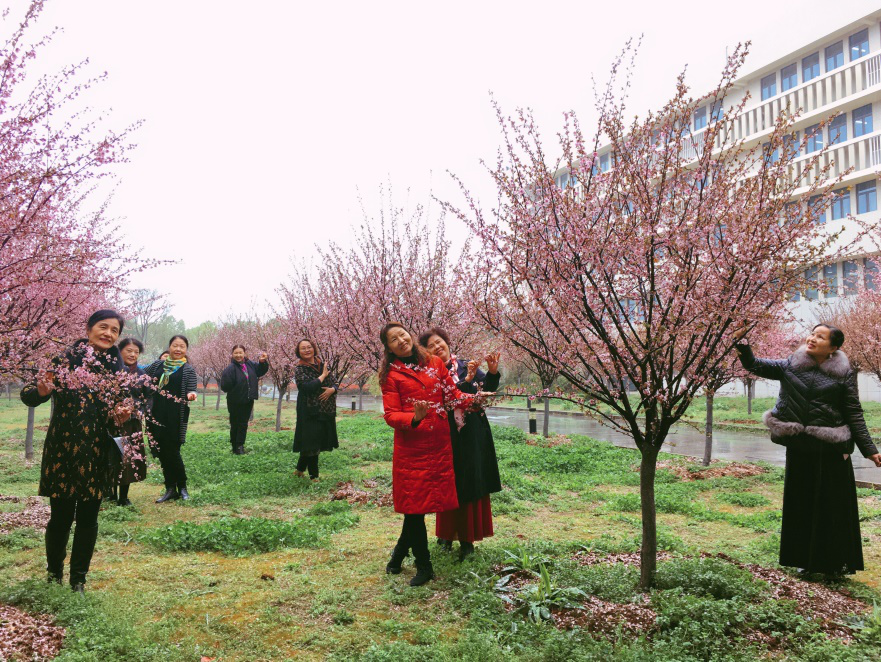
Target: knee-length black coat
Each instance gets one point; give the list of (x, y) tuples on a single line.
[(316, 419), (169, 415), (134, 460), (77, 452), (474, 452)]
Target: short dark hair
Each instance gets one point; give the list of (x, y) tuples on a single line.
[(105, 314), (836, 335), (235, 347), (297, 348), (182, 337), (434, 331), (125, 342)]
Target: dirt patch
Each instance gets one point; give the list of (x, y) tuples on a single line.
[(825, 605), (372, 494), (35, 514), (549, 442), (605, 618), (513, 581), (25, 636), (742, 421), (715, 470), (632, 558)]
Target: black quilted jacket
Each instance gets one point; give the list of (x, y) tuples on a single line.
[(817, 401)]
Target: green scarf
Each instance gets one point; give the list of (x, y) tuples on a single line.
[(171, 367)]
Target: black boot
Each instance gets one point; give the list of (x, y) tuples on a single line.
[(170, 493), (424, 573), (56, 551), (399, 553), (123, 499), (84, 538), (184, 494), (466, 549), (446, 545), (79, 589)]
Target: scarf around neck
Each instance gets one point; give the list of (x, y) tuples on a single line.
[(171, 367)]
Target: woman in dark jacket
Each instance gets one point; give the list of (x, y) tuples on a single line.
[(417, 390), (75, 470), (819, 419), (239, 382), (315, 430), (176, 388), (474, 453), (134, 461)]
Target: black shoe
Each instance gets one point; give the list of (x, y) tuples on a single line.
[(169, 495), (466, 549), (394, 565), (424, 573), (78, 588), (446, 545), (52, 578), (124, 502), (184, 494)]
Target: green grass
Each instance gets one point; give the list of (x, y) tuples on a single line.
[(262, 565)]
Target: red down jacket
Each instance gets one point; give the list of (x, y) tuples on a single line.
[(423, 480)]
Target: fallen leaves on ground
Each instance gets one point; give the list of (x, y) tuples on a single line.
[(25, 636), (348, 492), (35, 514), (715, 470)]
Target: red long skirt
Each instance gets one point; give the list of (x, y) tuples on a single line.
[(470, 522)]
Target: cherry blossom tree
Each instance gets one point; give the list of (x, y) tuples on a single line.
[(859, 317), (60, 256), (276, 338), (642, 269)]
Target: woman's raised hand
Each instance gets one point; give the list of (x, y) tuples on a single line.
[(741, 332), (192, 395), (472, 370), (492, 362), (324, 371), (45, 386)]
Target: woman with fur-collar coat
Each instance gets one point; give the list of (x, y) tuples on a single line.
[(819, 419)]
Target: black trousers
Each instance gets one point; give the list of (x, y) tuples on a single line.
[(309, 462), (63, 512), (173, 469), (414, 537), (239, 415)]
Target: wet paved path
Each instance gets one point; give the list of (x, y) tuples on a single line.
[(683, 440)]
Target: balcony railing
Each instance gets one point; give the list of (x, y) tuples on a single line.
[(858, 153)]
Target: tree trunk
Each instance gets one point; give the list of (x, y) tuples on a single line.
[(278, 410), (750, 393), (29, 436), (544, 425), (9, 391), (204, 388), (274, 391), (287, 396), (648, 553), (360, 397), (708, 430), (217, 404)]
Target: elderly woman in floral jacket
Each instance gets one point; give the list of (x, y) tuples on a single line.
[(75, 470), (819, 419)]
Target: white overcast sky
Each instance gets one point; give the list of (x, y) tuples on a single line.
[(263, 119)]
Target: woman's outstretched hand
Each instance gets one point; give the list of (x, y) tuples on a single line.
[(876, 458)]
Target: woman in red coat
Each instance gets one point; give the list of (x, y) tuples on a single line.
[(416, 390)]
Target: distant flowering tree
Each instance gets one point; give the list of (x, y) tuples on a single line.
[(859, 317), (398, 267), (642, 269), (59, 257), (276, 338)]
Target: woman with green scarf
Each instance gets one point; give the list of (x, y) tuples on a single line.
[(176, 388)]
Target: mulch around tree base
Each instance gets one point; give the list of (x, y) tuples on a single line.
[(25, 636), (348, 492), (35, 514), (715, 470)]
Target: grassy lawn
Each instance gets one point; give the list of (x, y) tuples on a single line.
[(261, 565)]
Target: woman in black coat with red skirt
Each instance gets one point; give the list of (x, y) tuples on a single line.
[(819, 419), (474, 452)]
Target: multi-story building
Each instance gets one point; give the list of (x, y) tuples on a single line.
[(838, 73)]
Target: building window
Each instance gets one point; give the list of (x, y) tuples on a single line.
[(834, 56), (605, 162), (770, 156), (838, 129), (769, 86), (563, 180), (810, 67), (816, 211), (791, 146), (840, 204), (811, 278), (867, 197), (716, 112), (830, 280), (870, 270), (700, 118), (859, 44), (851, 277), (814, 136), (788, 77), (862, 121)]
